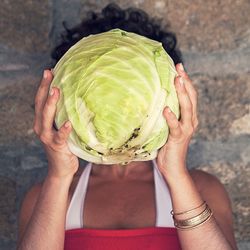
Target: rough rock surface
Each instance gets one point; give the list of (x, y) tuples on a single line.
[(237, 186), (200, 26), (214, 37), (25, 25)]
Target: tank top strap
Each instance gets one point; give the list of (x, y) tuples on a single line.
[(163, 200), (74, 212), (74, 216)]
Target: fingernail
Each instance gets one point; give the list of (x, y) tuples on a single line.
[(51, 92), (182, 67), (169, 110), (45, 74), (181, 81), (67, 124)]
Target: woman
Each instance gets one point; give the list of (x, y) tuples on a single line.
[(124, 207)]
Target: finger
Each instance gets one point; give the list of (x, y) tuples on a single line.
[(41, 97), (42, 91), (173, 123), (185, 102), (190, 89), (49, 111), (63, 133)]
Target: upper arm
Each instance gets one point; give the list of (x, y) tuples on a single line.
[(27, 208), (216, 196)]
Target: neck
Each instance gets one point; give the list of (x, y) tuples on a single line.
[(118, 171)]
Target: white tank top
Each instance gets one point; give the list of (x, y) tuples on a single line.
[(74, 216)]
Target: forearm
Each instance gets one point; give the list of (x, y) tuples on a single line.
[(185, 196), (46, 227)]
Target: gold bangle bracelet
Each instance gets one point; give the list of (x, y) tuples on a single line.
[(188, 211), (194, 221), (197, 225)]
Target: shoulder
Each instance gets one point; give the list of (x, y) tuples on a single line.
[(30, 200), (215, 194), (204, 180), (211, 190), (210, 187), (27, 207), (32, 195)]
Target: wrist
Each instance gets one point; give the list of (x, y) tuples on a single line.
[(59, 180), (176, 176), (174, 170), (62, 171), (182, 188)]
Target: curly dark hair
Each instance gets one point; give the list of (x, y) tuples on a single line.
[(111, 17)]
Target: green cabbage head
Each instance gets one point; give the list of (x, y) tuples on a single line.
[(113, 89)]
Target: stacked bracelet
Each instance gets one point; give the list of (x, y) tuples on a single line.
[(188, 211), (195, 221)]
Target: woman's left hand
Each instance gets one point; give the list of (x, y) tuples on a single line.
[(171, 159)]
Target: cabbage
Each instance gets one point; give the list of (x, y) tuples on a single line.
[(114, 87)]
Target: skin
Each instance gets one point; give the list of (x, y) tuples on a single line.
[(42, 216)]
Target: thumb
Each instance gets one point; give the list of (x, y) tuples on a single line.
[(62, 135), (172, 121)]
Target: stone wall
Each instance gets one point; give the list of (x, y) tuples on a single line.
[(214, 37)]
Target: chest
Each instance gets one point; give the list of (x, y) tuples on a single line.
[(114, 205)]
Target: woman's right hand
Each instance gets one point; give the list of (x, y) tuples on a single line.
[(61, 162)]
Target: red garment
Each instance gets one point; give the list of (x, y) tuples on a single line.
[(150, 238)]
